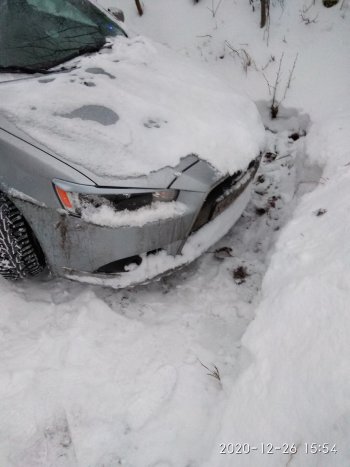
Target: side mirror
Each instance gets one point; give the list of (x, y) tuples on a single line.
[(117, 13)]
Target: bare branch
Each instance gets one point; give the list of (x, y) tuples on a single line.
[(215, 373), (214, 9), (268, 83), (290, 77), (245, 58), (274, 103), (270, 60), (307, 20)]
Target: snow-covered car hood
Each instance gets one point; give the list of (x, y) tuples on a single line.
[(133, 109)]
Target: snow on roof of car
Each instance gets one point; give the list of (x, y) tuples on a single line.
[(135, 108)]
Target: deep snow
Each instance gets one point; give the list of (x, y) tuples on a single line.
[(296, 387), (95, 377)]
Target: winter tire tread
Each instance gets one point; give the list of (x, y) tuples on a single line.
[(19, 256)]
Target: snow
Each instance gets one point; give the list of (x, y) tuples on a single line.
[(118, 112), (97, 377), (107, 216), (19, 195), (328, 144), (298, 378), (320, 82)]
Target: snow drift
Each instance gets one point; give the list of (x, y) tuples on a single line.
[(296, 388)]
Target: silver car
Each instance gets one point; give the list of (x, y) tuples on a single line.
[(119, 161)]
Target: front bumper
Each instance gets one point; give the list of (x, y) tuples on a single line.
[(82, 250), (154, 266)]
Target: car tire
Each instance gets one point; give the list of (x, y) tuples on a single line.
[(20, 253)]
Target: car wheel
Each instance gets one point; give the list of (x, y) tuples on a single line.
[(20, 253)]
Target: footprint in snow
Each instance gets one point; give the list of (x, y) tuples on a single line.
[(50, 445), (157, 391), (161, 464)]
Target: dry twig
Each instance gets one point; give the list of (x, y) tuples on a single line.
[(215, 373)]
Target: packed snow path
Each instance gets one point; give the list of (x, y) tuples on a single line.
[(93, 377)]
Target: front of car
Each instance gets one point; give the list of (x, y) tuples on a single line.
[(129, 162)]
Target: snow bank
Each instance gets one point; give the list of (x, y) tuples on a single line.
[(135, 109), (296, 388), (328, 144)]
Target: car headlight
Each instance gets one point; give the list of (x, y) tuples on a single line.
[(75, 202)]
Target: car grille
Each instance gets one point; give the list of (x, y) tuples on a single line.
[(224, 194)]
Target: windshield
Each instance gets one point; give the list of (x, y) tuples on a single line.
[(40, 34)]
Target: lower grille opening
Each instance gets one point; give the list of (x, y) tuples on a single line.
[(121, 265)]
